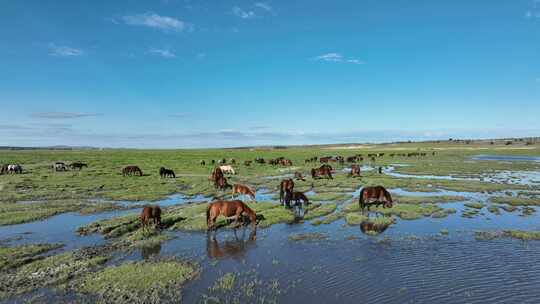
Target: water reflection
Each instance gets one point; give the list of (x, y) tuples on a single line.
[(372, 226), (149, 251), (235, 248)]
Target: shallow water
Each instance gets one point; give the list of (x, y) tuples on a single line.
[(506, 158), (502, 177), (410, 262)]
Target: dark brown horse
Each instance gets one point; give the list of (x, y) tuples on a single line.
[(242, 189), (235, 209), (323, 171), (222, 184), (150, 213), (78, 165), (4, 169), (355, 171), (297, 197), (376, 195), (132, 170), (284, 186), (216, 175), (247, 163), (298, 176)]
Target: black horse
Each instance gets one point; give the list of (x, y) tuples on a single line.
[(163, 172)]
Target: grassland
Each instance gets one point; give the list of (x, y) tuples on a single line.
[(40, 193)]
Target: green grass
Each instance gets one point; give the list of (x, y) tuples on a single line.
[(428, 199), (313, 236), (474, 205), (516, 201), (12, 257), (147, 281), (53, 270), (513, 234), (321, 210), (225, 283), (17, 213)]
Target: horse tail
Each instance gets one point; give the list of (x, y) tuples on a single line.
[(361, 199), (207, 214)]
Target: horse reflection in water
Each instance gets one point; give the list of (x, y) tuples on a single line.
[(371, 227), (235, 248), (149, 251)]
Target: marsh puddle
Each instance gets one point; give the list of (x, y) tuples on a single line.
[(57, 229), (407, 262), (503, 177), (506, 158)]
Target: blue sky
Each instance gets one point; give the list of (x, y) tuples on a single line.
[(193, 73)]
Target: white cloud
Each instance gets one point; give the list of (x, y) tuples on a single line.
[(63, 115), (336, 57), (238, 12), (154, 20), (162, 52), (264, 6), (64, 51)]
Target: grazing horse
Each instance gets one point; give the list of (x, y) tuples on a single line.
[(216, 175), (260, 160), (375, 195), (222, 184), (150, 213), (322, 171), (132, 170), (247, 163), (77, 165), (297, 197), (298, 176), (242, 189), (163, 172), (285, 186), (285, 162), (355, 171), (228, 169), (59, 166), (16, 169), (203, 163), (236, 210), (4, 169)]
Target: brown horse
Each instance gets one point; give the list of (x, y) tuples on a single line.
[(148, 213), (355, 171), (297, 197), (376, 195), (236, 210), (132, 170), (242, 189), (322, 171), (284, 186)]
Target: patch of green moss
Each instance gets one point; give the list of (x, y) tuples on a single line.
[(53, 270), (516, 201), (224, 283), (474, 205), (141, 282), (321, 210), (12, 257), (314, 236)]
